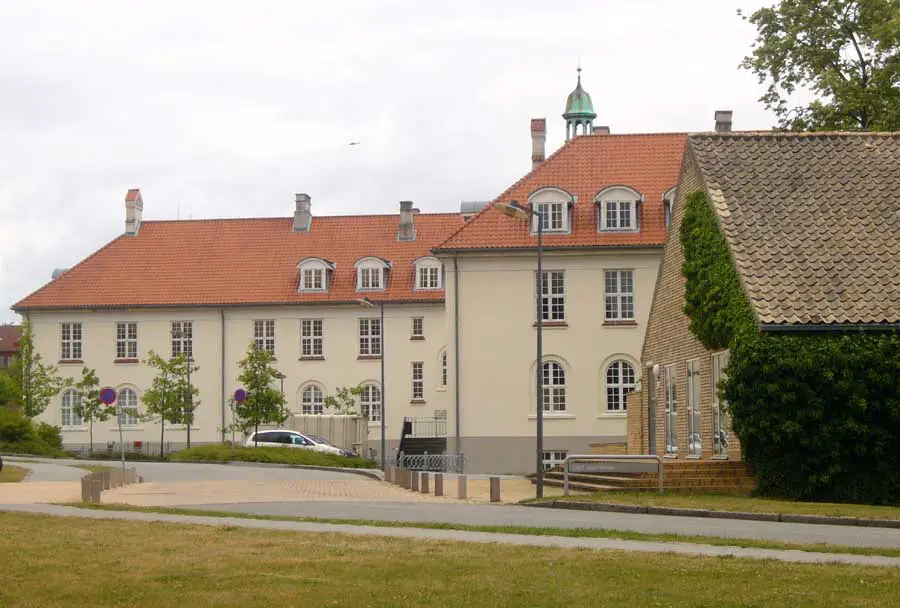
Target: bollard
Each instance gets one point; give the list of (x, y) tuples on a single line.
[(388, 472), (461, 487), (96, 488), (495, 489), (438, 484), (423, 483), (131, 475), (404, 478), (414, 481), (86, 488), (105, 479)]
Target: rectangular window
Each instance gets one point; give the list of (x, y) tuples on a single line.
[(553, 296), (370, 337), (370, 278), (70, 341), (264, 335), (554, 459), (444, 369), (183, 339), (692, 394), (126, 341), (619, 215), (671, 414), (552, 217), (418, 381), (428, 277), (312, 338), (619, 287), (418, 327), (719, 406), (313, 279)]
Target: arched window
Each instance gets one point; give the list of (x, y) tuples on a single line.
[(619, 209), (619, 382), (371, 274), (314, 274), (128, 402), (370, 402), (429, 273), (444, 369), (71, 399), (552, 207), (554, 387), (312, 400)]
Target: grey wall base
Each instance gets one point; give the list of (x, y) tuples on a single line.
[(518, 455)]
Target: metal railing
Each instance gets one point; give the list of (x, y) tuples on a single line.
[(426, 427), (610, 467), (447, 463)]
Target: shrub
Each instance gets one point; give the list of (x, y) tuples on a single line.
[(19, 435), (297, 456), (49, 434), (14, 426)]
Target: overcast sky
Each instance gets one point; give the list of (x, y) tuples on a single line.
[(226, 109)]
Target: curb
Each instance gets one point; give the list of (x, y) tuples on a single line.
[(682, 512)]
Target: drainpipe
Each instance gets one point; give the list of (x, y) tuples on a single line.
[(222, 319), (456, 346)]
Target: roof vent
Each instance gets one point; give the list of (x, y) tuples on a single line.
[(58, 272), (723, 121)]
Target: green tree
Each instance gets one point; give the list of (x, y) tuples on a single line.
[(9, 390), (36, 383), (845, 52), (167, 398), (344, 400), (89, 406), (264, 403)]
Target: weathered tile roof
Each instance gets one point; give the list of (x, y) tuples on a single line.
[(9, 337), (648, 163), (812, 220), (243, 261)]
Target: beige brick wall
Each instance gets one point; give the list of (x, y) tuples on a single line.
[(637, 423), (670, 341)]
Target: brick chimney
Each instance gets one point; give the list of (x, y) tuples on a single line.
[(134, 211), (406, 231), (723, 121), (538, 139), (603, 130), (302, 212)]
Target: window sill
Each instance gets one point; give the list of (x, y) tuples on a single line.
[(620, 230), (693, 457), (70, 362), (369, 357), (126, 361), (417, 337), (671, 456), (552, 324), (613, 415), (74, 429), (376, 424), (441, 389), (126, 427), (312, 358), (622, 323), (430, 288), (417, 402), (179, 427), (369, 289), (553, 416), (719, 458)]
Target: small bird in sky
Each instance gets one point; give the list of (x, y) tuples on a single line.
[(355, 143)]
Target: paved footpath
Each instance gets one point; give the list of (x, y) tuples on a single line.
[(478, 537)]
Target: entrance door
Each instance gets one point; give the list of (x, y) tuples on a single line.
[(719, 416), (671, 414), (695, 444)]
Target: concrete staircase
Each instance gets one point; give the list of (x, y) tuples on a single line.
[(706, 476)]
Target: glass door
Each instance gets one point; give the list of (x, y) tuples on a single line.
[(692, 393), (719, 415), (671, 413)]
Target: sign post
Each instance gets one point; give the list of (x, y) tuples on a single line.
[(240, 395), (108, 397)]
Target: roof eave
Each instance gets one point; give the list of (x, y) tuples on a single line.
[(829, 327), (459, 250), (354, 301)]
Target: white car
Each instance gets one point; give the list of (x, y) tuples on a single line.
[(284, 438)]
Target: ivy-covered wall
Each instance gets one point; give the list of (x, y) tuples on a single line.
[(817, 413)]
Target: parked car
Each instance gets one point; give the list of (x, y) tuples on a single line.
[(285, 438), (322, 441)]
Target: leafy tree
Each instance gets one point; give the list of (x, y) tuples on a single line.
[(846, 52), (264, 403), (36, 383), (89, 406), (167, 398), (344, 400)]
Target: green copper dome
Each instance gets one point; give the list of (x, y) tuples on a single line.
[(579, 104)]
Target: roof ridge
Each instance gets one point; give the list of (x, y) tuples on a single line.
[(448, 214), (792, 134)]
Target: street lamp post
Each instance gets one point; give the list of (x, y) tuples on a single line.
[(515, 210), (368, 302)]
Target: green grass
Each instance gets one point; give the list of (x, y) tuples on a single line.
[(95, 468), (222, 453), (156, 565), (724, 502), (12, 474), (523, 530)]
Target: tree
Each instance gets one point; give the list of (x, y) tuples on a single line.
[(36, 383), (845, 52), (89, 406), (9, 390), (344, 400), (264, 403), (167, 398)]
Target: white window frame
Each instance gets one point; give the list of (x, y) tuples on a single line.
[(71, 335), (670, 420), (418, 328), (370, 402), (312, 338), (314, 275), (264, 335), (126, 340), (619, 209), (719, 361), (312, 400), (128, 413), (669, 205), (553, 296), (185, 344), (371, 274), (429, 274), (694, 422), (417, 377), (553, 215), (370, 336), (444, 369), (618, 385), (554, 399), (618, 303), (69, 418), (553, 458)]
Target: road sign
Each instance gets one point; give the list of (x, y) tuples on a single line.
[(107, 395), (240, 395)]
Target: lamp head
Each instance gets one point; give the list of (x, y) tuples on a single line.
[(513, 209)]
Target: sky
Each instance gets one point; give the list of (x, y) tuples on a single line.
[(226, 109)]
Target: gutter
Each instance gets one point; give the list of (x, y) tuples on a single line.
[(222, 318), (828, 327), (548, 249), (456, 348), (220, 305)]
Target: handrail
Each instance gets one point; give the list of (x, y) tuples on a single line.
[(607, 457)]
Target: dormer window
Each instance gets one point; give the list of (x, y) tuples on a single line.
[(429, 274), (669, 204), (371, 274), (552, 206), (619, 209), (314, 274)]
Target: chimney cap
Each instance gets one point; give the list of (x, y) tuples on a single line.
[(302, 197), (406, 205), (538, 125), (132, 195)]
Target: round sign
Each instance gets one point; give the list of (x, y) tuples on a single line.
[(108, 395), (240, 395)]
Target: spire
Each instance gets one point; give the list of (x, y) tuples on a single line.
[(579, 110)]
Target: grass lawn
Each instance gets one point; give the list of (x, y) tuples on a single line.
[(96, 468), (529, 531), (724, 502), (162, 565), (12, 474), (222, 453)]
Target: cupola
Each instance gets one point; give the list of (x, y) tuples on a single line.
[(579, 112)]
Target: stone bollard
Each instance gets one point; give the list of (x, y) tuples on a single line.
[(131, 475), (105, 479), (414, 481), (423, 483), (388, 472), (461, 487), (495, 489), (404, 478), (86, 488), (96, 488), (438, 484)]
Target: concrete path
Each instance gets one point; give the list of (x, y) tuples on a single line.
[(46, 471), (46, 482), (480, 537)]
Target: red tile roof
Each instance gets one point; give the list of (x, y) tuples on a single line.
[(243, 261), (9, 338), (649, 163)]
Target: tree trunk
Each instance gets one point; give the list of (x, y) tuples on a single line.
[(162, 436), (91, 436)]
